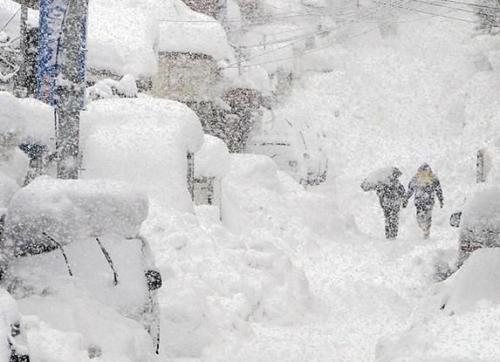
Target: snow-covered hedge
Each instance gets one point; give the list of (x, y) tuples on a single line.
[(143, 141)]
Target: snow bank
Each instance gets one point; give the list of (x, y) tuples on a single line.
[(8, 187), (26, 118), (9, 315), (222, 279), (126, 87), (477, 281), (459, 322), (72, 327), (212, 160), (217, 284), (142, 141), (69, 210), (256, 196)]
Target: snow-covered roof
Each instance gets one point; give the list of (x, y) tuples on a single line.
[(184, 30), (212, 160), (125, 39)]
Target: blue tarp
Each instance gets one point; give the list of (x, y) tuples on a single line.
[(52, 49)]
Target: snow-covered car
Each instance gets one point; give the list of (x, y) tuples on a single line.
[(287, 145), (479, 223), (77, 261)]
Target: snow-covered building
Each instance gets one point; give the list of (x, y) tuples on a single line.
[(192, 47)]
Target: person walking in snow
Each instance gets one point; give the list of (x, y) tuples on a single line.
[(391, 194), (426, 186)]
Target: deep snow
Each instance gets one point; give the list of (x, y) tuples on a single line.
[(305, 275)]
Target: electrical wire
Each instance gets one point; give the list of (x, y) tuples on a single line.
[(431, 13), (471, 4), (444, 6), (305, 53), (11, 18), (235, 65)]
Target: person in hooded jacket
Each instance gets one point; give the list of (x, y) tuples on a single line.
[(391, 194), (425, 186)]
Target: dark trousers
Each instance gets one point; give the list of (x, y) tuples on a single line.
[(391, 222), (424, 218)]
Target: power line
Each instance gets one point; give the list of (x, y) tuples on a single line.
[(444, 6), (11, 18), (471, 4), (305, 53), (234, 20), (430, 13)]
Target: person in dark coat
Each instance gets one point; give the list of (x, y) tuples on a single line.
[(426, 186), (391, 194)]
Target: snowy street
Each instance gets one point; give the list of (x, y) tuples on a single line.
[(253, 180)]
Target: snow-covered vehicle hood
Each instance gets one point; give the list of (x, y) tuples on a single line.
[(76, 261)]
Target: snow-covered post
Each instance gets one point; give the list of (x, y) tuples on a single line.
[(480, 169), (190, 174), (20, 84), (71, 89)]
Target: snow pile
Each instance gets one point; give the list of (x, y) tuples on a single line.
[(8, 188), (48, 344), (458, 323), (142, 141), (256, 196), (217, 284), (79, 327), (212, 160), (9, 316), (69, 210), (26, 118), (224, 279), (121, 39), (109, 88), (477, 281)]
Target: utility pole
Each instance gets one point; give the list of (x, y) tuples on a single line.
[(20, 89), (71, 89), (61, 74)]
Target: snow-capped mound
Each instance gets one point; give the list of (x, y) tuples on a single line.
[(26, 118), (478, 280), (9, 315), (67, 210), (8, 187), (143, 141), (212, 160)]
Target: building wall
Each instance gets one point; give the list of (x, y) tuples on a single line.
[(186, 77)]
